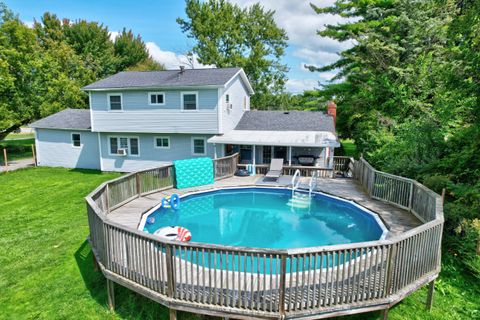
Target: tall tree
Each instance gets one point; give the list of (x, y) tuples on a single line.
[(132, 53), (19, 58), (229, 36)]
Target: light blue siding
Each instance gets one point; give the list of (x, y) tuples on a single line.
[(54, 149), (180, 148), (138, 100), (240, 101), (138, 116)]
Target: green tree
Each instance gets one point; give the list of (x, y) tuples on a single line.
[(19, 58), (229, 36)]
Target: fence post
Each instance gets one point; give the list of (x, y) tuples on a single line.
[(111, 294), (137, 180), (431, 289), (34, 153), (170, 274), (107, 201), (390, 271), (283, 275), (410, 197), (5, 160)]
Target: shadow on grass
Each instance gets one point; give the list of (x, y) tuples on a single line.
[(128, 304)]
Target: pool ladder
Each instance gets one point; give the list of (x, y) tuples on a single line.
[(299, 199)]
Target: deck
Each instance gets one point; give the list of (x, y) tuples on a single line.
[(395, 219)]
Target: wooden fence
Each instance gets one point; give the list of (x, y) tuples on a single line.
[(245, 282)]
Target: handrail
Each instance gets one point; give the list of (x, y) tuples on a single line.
[(313, 183), (255, 282), (295, 185)]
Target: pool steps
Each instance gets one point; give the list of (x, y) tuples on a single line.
[(300, 200)]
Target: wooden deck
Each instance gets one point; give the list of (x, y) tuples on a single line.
[(396, 220)]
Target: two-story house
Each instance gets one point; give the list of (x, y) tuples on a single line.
[(139, 120)]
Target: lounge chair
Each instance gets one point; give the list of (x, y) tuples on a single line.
[(275, 170)]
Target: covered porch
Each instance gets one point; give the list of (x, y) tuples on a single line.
[(296, 148)]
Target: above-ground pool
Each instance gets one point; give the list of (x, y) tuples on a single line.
[(266, 218)]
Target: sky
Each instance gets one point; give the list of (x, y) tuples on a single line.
[(156, 22)]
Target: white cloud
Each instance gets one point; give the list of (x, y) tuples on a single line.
[(29, 24), (301, 23), (113, 35), (172, 60)]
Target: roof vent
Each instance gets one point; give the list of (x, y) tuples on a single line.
[(182, 69)]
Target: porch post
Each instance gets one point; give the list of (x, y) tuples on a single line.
[(215, 151), (253, 155), (289, 156)]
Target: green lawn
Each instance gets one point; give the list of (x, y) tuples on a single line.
[(46, 264), (16, 148), (349, 148), (16, 136)]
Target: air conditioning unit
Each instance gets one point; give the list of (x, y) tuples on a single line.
[(122, 152)]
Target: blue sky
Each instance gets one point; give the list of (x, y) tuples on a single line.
[(155, 22)]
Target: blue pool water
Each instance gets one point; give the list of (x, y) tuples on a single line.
[(262, 218)]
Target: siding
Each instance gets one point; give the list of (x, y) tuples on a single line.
[(138, 116), (237, 91), (180, 148), (55, 149)]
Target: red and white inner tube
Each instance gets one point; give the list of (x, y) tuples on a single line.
[(174, 233)]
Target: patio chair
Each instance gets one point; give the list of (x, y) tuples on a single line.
[(275, 170)]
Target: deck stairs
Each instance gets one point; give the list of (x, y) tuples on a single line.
[(300, 199)]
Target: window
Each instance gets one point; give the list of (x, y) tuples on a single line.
[(130, 144), (162, 142), (267, 154), (198, 146), (227, 98), (189, 100), (156, 98), (115, 101), (134, 146), (76, 141)]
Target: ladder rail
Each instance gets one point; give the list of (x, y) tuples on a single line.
[(296, 184), (313, 183)]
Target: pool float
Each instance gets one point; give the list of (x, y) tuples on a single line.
[(172, 201), (150, 220), (174, 233)]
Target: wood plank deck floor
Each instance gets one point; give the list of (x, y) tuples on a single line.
[(397, 220)]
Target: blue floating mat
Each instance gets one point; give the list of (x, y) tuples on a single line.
[(193, 172)]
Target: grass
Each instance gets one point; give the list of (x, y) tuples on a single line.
[(349, 148), (46, 264), (17, 136), (16, 148)]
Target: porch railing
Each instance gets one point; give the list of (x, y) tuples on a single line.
[(248, 282)]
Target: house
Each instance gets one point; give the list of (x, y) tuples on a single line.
[(139, 120)]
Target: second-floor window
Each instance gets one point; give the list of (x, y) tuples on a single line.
[(156, 98), (189, 101), (115, 101)]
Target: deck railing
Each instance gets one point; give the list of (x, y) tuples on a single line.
[(225, 167), (247, 282)]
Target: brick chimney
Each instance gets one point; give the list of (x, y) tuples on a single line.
[(332, 110)]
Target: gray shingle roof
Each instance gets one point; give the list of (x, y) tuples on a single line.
[(286, 121), (67, 119), (167, 78)]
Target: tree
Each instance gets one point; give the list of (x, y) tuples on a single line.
[(228, 36), (132, 53), (19, 59)]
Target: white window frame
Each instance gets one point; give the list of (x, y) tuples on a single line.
[(196, 100), (121, 102), (150, 94), (204, 144), (161, 137), (129, 147), (71, 137)]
